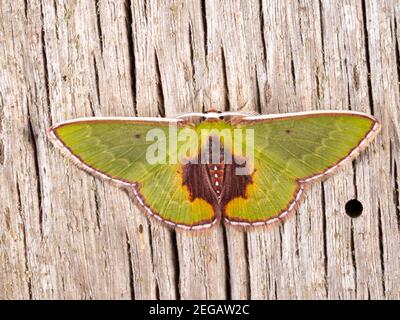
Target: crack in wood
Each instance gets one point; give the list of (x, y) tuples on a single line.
[(247, 259), (33, 141), (45, 62), (300, 21), (175, 256), (26, 9), (93, 113), (293, 72), (391, 159), (2, 157), (393, 171), (146, 11), (258, 101), (296, 235), (349, 105), (131, 277), (205, 27), (348, 92), (318, 86), (28, 276), (322, 30), (160, 89), (339, 52), (225, 79), (355, 178), (1, 152), (396, 194), (397, 53), (280, 229), (157, 289), (131, 50), (191, 52), (317, 71), (56, 15), (96, 78), (367, 57), (157, 293), (353, 255), (381, 248), (262, 29), (97, 205), (325, 245), (98, 21), (228, 293)]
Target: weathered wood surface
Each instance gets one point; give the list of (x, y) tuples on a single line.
[(64, 234)]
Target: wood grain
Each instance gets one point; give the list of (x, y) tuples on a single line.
[(67, 235)]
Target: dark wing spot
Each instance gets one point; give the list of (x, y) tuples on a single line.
[(288, 131), (137, 135)]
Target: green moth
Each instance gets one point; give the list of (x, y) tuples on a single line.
[(195, 170)]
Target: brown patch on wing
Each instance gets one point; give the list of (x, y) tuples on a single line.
[(195, 177), (234, 185)]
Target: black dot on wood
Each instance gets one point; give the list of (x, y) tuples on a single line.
[(140, 228), (354, 208)]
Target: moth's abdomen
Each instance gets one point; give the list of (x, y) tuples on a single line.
[(216, 169), (216, 173)]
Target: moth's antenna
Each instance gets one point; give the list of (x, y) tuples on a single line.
[(246, 109), (199, 100)]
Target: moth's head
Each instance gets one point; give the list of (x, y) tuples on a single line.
[(212, 115)]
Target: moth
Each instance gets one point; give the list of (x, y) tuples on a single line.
[(195, 170)]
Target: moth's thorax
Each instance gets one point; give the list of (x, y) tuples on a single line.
[(211, 117), (213, 124)]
